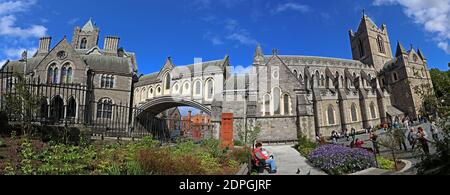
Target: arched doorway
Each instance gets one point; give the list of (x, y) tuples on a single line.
[(57, 109)]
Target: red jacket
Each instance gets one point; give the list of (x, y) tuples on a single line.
[(259, 155), (359, 144)]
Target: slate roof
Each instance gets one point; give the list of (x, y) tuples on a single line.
[(314, 60)]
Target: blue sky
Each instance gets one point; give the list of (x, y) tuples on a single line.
[(185, 29)]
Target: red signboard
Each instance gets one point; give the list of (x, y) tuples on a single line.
[(226, 131)]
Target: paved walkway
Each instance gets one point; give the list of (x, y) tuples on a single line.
[(289, 161)]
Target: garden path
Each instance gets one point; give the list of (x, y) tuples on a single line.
[(289, 161)]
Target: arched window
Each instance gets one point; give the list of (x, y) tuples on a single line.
[(50, 75), (372, 111), (295, 73), (330, 114), (108, 81), (111, 82), (104, 108), (57, 109), (198, 88), (267, 105), (286, 103), (354, 113), (71, 108), (56, 76), (63, 74), (276, 101), (361, 48), (210, 89), (144, 94), (69, 75), (136, 96), (300, 77), (380, 42), (83, 43), (167, 81), (317, 78), (103, 81), (150, 93), (322, 81)]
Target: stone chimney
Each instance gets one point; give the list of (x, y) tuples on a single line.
[(111, 44), (44, 45)]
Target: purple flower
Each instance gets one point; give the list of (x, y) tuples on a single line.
[(337, 160)]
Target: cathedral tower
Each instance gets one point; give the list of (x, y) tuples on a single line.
[(371, 44), (86, 37)]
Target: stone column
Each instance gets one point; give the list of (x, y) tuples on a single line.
[(216, 118)]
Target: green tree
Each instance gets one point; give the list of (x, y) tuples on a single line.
[(21, 104), (248, 135), (440, 102)]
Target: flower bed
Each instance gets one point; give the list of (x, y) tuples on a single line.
[(339, 160)]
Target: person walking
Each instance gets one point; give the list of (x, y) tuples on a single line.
[(423, 140), (334, 137), (434, 131), (353, 134), (400, 136), (374, 138), (412, 138)]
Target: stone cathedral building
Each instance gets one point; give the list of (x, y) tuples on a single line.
[(287, 95)]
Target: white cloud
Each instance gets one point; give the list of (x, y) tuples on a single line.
[(73, 21), (8, 28), (9, 7), (214, 38), (433, 15), (240, 70), (291, 6), (16, 53), (243, 38)]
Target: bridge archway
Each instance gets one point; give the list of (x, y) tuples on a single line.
[(158, 105)]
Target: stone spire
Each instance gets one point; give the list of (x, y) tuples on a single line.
[(89, 26)]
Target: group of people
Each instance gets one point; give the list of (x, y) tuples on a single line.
[(420, 137)]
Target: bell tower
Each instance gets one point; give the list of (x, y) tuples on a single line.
[(370, 44), (86, 37)]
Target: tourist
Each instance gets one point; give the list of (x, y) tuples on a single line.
[(347, 136), (412, 138), (423, 140), (334, 137), (374, 138), (359, 143), (263, 156), (401, 138), (353, 133), (434, 131)]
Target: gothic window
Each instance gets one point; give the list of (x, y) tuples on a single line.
[(380, 42), (300, 77), (50, 74), (167, 81), (267, 105), (83, 43), (354, 113), (144, 95), (150, 92), (63, 74), (322, 81), (103, 81), (276, 101), (159, 90), (317, 78), (361, 48), (56, 76), (330, 114), (104, 108), (286, 102), (295, 73), (198, 88), (210, 89), (71, 108), (69, 75), (372, 111)]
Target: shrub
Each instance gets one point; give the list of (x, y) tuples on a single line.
[(384, 163), (339, 160), (238, 143), (160, 162), (241, 155), (305, 146)]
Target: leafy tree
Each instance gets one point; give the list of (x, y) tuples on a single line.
[(248, 135), (22, 103), (440, 102)]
